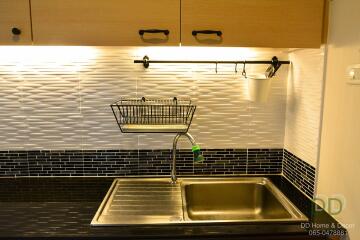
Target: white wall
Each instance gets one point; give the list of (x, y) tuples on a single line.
[(304, 103), (340, 152), (58, 97)]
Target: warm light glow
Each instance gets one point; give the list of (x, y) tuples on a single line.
[(196, 53), (208, 53), (53, 58), (354, 72)]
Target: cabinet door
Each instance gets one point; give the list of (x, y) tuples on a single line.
[(106, 22), (15, 24), (253, 23)]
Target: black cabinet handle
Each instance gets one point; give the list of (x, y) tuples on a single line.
[(195, 32), (143, 31), (16, 31)]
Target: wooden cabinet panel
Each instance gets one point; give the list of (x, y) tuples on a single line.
[(15, 22), (109, 22), (253, 23)]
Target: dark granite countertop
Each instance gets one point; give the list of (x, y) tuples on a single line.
[(62, 208)]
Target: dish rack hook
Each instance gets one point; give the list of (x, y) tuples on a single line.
[(146, 61), (273, 68), (244, 69)]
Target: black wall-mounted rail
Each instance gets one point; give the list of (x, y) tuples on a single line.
[(274, 62)]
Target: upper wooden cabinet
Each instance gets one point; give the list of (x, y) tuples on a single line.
[(238, 23), (106, 22), (15, 22), (252, 23)]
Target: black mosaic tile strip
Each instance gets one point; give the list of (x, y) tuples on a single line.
[(262, 161), (157, 162), (222, 161), (300, 173), (55, 163), (14, 163), (110, 162), (138, 162)]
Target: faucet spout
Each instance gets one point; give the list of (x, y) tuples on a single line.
[(195, 149)]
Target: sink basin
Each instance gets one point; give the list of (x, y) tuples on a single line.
[(134, 201), (144, 201), (242, 199)]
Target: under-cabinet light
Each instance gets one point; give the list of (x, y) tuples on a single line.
[(65, 58), (203, 53)]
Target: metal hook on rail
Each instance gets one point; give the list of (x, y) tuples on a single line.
[(244, 69)]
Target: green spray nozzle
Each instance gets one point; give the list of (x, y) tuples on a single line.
[(197, 154)]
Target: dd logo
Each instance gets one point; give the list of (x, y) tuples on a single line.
[(333, 204)]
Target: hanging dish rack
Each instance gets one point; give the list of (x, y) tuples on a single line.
[(144, 115)]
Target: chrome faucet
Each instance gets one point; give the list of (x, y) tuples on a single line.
[(195, 149)]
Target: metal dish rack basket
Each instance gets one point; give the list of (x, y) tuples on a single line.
[(153, 115)]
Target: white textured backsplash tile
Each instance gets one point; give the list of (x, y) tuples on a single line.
[(304, 103), (58, 98)]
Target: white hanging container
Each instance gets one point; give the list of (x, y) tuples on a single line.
[(259, 87)]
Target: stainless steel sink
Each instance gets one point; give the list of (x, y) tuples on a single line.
[(140, 201), (194, 200), (237, 199)]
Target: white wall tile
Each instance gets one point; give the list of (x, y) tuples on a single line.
[(58, 98), (304, 103)]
